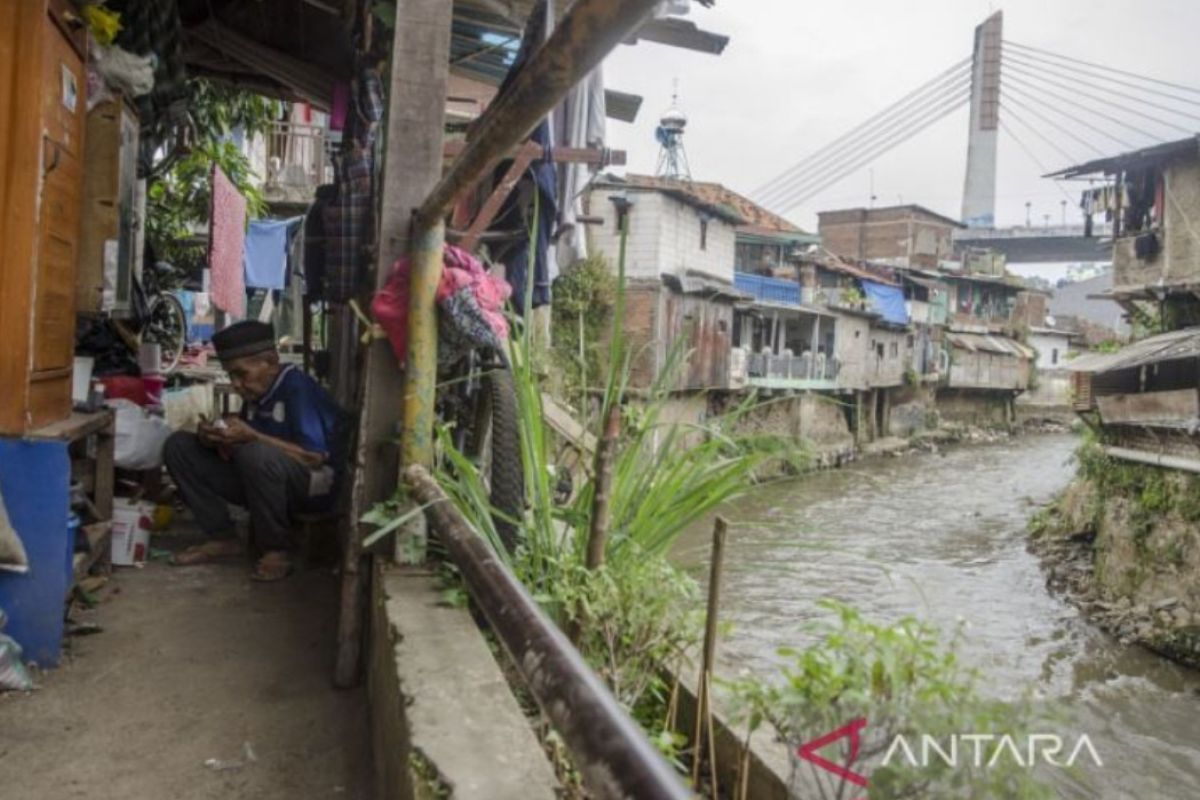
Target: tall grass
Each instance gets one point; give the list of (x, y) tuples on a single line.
[(636, 612)]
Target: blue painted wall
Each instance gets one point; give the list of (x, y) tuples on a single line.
[(35, 480)]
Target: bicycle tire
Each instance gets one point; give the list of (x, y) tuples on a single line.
[(506, 477), (171, 338)]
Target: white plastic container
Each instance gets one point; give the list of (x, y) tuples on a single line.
[(132, 522)]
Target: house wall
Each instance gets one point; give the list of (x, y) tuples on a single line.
[(899, 234), (887, 369), (973, 407), (1046, 345), (1178, 260), (983, 370), (658, 319), (852, 347), (664, 236)]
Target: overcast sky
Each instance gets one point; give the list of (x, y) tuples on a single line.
[(798, 74)]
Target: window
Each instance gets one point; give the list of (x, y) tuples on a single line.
[(895, 349), (622, 215), (1054, 356), (910, 342), (703, 234)]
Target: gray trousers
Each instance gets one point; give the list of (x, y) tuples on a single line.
[(259, 477)]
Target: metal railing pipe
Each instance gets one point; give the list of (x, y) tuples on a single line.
[(588, 31), (614, 757)]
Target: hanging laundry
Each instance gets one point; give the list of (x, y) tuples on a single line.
[(226, 245), (470, 298), (266, 256)]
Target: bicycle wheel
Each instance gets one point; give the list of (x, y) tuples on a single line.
[(166, 326), (494, 442)]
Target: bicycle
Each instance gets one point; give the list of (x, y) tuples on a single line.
[(158, 318)]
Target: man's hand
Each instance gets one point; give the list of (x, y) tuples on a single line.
[(236, 431)]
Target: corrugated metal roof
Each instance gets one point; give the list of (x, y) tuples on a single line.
[(1172, 346), (1134, 159), (1002, 345)]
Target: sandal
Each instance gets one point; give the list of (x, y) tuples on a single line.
[(204, 553), (272, 567)]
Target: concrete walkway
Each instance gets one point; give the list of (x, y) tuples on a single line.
[(192, 664)]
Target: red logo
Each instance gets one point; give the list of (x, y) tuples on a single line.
[(808, 752)]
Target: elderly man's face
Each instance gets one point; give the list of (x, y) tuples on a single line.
[(252, 376)]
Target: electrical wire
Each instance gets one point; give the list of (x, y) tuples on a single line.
[(885, 138), (950, 76), (804, 172), (1146, 78), (1027, 86), (1035, 76), (1007, 96), (1010, 59), (816, 187)]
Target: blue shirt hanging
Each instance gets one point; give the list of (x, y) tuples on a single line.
[(266, 254)]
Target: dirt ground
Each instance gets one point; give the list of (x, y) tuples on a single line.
[(192, 664)]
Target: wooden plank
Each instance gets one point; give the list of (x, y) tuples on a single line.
[(561, 155), (1157, 409), (412, 167), (76, 426), (102, 496), (491, 206)]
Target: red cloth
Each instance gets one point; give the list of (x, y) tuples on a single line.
[(460, 270), (227, 245)]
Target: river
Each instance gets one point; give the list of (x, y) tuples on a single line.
[(942, 537)]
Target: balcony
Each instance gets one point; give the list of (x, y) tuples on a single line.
[(297, 162), (806, 371), (768, 290)]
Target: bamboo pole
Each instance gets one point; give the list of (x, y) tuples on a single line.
[(703, 696), (606, 451)]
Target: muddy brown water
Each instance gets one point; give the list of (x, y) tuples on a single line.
[(942, 537)]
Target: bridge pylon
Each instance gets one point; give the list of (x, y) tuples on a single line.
[(979, 190)]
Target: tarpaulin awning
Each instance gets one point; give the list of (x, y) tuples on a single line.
[(887, 302)]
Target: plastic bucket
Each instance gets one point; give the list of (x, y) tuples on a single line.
[(131, 526)]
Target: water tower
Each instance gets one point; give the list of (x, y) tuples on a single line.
[(672, 159)]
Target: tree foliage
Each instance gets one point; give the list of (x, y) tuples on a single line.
[(177, 199)]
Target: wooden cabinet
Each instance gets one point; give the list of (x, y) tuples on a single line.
[(108, 250), (42, 108)]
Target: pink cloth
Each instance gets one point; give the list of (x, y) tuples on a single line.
[(226, 246), (339, 106), (460, 270)]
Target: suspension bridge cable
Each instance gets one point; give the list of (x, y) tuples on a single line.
[(1041, 61), (1009, 111), (954, 73), (1034, 87), (1036, 77), (819, 162), (1007, 95), (1032, 157), (882, 136), (800, 195), (1146, 78), (1010, 59)]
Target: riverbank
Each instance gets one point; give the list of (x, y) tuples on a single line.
[(1122, 544)]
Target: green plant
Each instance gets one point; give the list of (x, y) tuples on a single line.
[(177, 198), (904, 682), (584, 295)]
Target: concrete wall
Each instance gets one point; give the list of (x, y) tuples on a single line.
[(912, 409), (664, 236), (816, 419), (973, 407), (438, 696), (1053, 392)]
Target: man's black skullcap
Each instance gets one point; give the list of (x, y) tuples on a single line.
[(246, 338)]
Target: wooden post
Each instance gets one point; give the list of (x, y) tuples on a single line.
[(703, 725), (411, 168)]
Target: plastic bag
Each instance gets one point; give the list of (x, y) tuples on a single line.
[(140, 437), (12, 550), (13, 675)]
